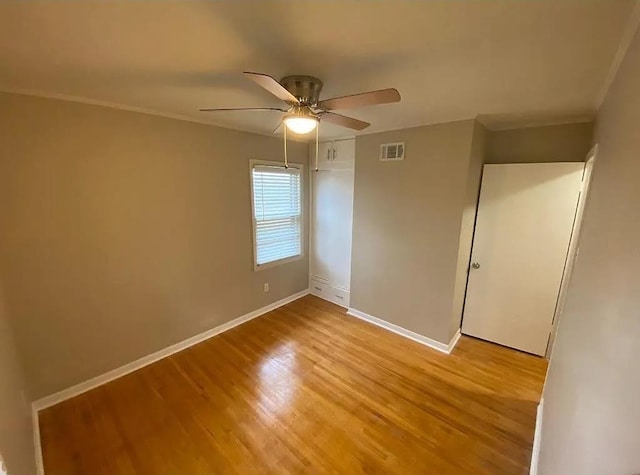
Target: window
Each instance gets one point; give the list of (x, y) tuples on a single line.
[(277, 216)]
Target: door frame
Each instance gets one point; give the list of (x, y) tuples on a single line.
[(574, 246)]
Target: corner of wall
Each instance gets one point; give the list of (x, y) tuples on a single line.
[(431, 183), (477, 152)]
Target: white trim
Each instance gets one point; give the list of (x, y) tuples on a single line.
[(537, 439), (36, 440), (436, 345), (92, 383), (454, 341), (573, 249), (497, 125)]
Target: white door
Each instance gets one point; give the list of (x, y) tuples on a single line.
[(325, 155), (345, 150), (332, 217), (524, 224)]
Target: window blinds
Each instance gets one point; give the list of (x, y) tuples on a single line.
[(277, 213)]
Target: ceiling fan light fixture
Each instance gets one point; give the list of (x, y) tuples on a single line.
[(301, 125), (300, 121)]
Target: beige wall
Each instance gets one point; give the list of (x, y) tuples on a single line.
[(591, 411), (406, 226), (16, 435), (124, 233), (552, 143), (472, 192)]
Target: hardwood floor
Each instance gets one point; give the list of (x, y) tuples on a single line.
[(305, 389)]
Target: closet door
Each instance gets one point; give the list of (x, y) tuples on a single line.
[(331, 226), (524, 224), (325, 155), (344, 151)]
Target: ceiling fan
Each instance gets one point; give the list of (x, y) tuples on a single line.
[(305, 109)]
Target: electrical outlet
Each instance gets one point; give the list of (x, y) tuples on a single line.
[(266, 287)]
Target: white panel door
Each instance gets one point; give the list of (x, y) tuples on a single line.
[(325, 155), (345, 150), (331, 225), (524, 224)]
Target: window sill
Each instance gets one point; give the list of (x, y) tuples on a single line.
[(269, 265)]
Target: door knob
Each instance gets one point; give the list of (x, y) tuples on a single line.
[(475, 265)]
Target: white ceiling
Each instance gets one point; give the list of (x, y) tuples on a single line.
[(505, 60)]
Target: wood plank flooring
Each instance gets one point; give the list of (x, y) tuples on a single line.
[(305, 389)]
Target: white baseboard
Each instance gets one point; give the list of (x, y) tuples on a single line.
[(36, 441), (454, 341), (436, 345), (92, 383), (537, 438)]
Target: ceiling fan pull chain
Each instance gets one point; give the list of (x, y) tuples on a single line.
[(318, 126), (286, 162)]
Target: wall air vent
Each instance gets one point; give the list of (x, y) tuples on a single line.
[(392, 151)]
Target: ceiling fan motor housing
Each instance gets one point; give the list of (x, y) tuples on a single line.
[(305, 88)]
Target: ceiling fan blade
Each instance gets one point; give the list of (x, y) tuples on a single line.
[(383, 96), (273, 86), (344, 121), (244, 109)]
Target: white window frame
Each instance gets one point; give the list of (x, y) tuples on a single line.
[(268, 265)]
